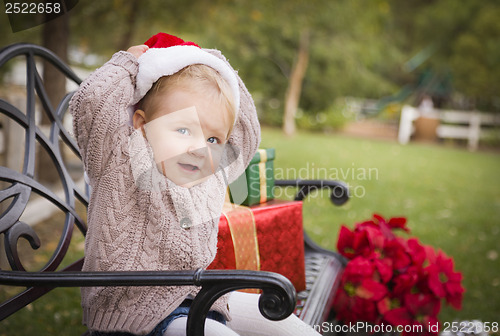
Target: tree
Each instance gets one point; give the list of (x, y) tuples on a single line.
[(475, 59), (55, 37), (353, 51), (104, 27), (466, 38), (294, 89)]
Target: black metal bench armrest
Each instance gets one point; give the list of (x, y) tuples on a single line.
[(276, 302), (339, 190)]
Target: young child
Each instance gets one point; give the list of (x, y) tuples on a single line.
[(162, 129)]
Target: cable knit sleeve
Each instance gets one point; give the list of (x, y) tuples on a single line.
[(246, 133), (245, 138), (99, 107)]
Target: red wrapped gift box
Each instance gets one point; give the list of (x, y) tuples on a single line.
[(280, 241)]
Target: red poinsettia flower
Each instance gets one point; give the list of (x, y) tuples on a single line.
[(420, 304), (383, 266), (419, 310), (358, 269), (351, 244), (410, 326), (358, 280), (375, 237), (416, 251), (405, 282), (386, 227), (371, 290), (379, 224), (396, 251), (384, 305), (393, 279), (353, 308), (399, 316), (360, 292), (443, 281)]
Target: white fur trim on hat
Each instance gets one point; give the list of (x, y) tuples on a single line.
[(158, 62)]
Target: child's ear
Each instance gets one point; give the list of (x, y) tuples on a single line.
[(139, 120)]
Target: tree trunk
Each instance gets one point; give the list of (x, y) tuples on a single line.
[(55, 38), (131, 20), (292, 95)]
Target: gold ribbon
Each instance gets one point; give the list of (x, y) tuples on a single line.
[(241, 224), (243, 231), (262, 175)]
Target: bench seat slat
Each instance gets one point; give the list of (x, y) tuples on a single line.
[(313, 304)]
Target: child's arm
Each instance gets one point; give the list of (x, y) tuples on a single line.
[(99, 107), (245, 136), (246, 132)]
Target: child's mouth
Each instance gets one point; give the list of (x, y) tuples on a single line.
[(188, 167)]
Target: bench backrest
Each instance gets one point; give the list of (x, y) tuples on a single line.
[(21, 187)]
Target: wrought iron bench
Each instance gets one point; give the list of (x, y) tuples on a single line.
[(19, 187)]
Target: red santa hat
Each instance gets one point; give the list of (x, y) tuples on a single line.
[(168, 54)]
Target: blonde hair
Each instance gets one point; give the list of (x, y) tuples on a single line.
[(193, 77)]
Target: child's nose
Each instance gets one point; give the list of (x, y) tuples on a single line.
[(198, 147), (199, 152)]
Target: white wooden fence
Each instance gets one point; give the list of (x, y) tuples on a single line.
[(469, 125)]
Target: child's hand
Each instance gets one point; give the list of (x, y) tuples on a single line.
[(138, 50)]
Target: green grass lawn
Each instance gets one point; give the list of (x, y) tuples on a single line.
[(450, 196)]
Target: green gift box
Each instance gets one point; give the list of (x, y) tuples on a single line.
[(259, 177)]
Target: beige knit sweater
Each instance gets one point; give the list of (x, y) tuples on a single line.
[(132, 227)]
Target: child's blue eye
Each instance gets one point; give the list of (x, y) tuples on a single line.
[(183, 130), (213, 140)]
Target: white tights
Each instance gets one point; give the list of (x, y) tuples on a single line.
[(246, 321)]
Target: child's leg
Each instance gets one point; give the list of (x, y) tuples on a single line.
[(248, 321), (212, 328)]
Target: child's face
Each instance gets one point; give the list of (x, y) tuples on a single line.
[(187, 132)]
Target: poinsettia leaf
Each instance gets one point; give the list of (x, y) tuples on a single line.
[(455, 277), (375, 238), (384, 305), (384, 268), (397, 252), (453, 287), (416, 251), (345, 242), (434, 283), (361, 243), (398, 223), (371, 290), (405, 282), (384, 227), (430, 254), (398, 316), (421, 304), (455, 300), (378, 218)]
